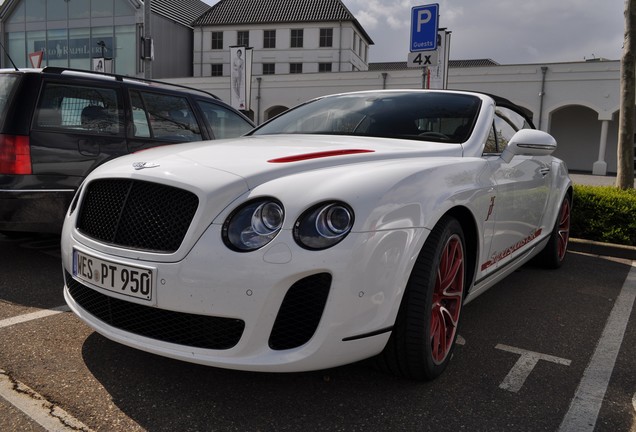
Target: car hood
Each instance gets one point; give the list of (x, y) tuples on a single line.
[(220, 172), (259, 159)]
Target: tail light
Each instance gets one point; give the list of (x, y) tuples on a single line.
[(15, 154)]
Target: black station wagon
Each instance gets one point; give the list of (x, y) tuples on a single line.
[(57, 125)]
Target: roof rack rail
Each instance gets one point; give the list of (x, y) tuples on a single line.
[(59, 70)]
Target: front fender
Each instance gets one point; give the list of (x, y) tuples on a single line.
[(386, 195)]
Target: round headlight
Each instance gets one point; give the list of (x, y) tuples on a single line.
[(333, 221), (253, 225), (323, 225), (267, 218)]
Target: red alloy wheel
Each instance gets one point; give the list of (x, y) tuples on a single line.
[(564, 228), (447, 298)]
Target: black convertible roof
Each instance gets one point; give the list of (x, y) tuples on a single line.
[(503, 102)]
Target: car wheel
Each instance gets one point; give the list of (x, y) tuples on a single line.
[(553, 254), (424, 334)]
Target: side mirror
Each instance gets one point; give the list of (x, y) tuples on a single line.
[(529, 142)]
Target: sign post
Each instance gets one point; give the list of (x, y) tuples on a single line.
[(422, 59), (36, 58), (424, 29)]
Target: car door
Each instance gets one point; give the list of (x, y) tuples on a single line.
[(522, 193), (161, 118), (75, 128)]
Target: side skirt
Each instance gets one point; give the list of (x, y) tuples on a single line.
[(480, 286)]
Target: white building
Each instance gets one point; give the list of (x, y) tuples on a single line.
[(576, 102), (287, 37), (71, 33), (303, 49)]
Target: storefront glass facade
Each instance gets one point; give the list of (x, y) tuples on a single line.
[(71, 33)]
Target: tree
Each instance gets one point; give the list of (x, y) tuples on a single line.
[(625, 153)]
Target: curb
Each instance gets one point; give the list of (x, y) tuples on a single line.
[(603, 249)]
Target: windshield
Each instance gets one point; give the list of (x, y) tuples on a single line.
[(418, 115)]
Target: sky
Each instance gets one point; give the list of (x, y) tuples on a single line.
[(506, 31)]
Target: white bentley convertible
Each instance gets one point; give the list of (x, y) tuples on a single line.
[(353, 226)]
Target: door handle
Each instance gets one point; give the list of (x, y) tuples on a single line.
[(88, 147)]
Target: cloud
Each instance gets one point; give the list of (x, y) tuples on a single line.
[(367, 20), (508, 31), (379, 12)]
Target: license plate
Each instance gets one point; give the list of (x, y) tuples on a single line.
[(128, 280)]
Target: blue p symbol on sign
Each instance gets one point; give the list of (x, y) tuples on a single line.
[(424, 23), (423, 17)]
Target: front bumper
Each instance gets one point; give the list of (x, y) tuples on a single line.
[(279, 309)]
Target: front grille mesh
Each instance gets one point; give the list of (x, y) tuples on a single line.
[(200, 331), (300, 312), (137, 214)]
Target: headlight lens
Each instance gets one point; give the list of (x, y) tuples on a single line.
[(323, 225), (253, 225)]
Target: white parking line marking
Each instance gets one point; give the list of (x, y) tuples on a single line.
[(33, 316), (587, 401), (522, 369), (38, 409)]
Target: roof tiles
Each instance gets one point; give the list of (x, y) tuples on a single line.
[(184, 12), (387, 66), (237, 12)]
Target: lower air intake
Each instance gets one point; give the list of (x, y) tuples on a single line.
[(300, 312)]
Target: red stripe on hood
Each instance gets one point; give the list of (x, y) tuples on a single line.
[(318, 155)]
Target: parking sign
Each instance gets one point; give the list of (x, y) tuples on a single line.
[(424, 23)]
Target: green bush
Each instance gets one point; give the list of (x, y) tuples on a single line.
[(604, 214)]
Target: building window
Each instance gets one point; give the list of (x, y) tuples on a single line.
[(269, 68), (243, 38), (324, 67), (217, 40), (295, 68), (297, 38), (269, 38), (35, 11), (326, 37), (217, 69)]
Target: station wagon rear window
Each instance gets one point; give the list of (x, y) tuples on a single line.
[(90, 109)]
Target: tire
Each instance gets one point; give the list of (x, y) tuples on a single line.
[(423, 338), (553, 255)]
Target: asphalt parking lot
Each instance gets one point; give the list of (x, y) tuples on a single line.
[(542, 350)]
